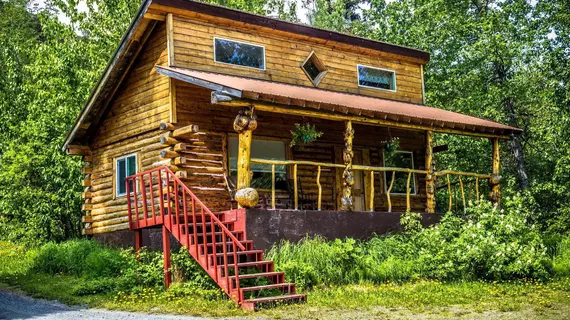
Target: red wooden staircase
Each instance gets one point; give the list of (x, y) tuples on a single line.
[(159, 198)]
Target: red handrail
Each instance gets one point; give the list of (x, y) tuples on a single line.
[(176, 224)]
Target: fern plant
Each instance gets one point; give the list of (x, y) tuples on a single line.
[(304, 134)]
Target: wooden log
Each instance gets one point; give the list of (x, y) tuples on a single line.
[(167, 140), (166, 126), (450, 199), (87, 219), (169, 154), (244, 124), (389, 190), (295, 187), (320, 194), (408, 204), (87, 195), (430, 177), (185, 131), (87, 170), (182, 174), (86, 207), (495, 173), (273, 186), (371, 192), (78, 150), (347, 175), (86, 182)]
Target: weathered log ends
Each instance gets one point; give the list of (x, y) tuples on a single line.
[(347, 175)]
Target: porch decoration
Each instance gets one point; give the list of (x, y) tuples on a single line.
[(347, 175), (304, 134), (247, 197)]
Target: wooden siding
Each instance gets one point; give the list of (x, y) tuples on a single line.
[(129, 126), (216, 123), (193, 48)]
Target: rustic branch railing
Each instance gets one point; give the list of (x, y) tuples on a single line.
[(371, 170)]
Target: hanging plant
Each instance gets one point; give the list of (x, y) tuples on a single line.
[(304, 134), (392, 145)]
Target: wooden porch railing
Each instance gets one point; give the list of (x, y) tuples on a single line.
[(371, 170)]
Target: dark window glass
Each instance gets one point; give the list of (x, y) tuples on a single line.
[(125, 167), (376, 78), (261, 149), (311, 69), (399, 160), (238, 53)]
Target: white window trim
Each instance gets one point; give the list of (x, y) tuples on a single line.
[(386, 183), (382, 69), (117, 194), (237, 65)]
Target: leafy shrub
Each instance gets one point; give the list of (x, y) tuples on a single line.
[(489, 244), (562, 257), (95, 286)]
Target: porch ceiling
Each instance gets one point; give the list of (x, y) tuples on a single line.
[(339, 102)]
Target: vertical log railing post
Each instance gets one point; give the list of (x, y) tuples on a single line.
[(477, 188), (430, 177), (273, 186), (319, 198), (495, 175), (462, 193), (450, 201), (370, 195), (295, 187), (389, 190), (347, 175), (408, 202)]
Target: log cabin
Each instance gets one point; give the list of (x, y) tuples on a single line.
[(190, 131)]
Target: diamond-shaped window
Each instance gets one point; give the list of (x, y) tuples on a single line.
[(314, 68)]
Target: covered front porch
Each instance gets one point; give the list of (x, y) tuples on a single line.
[(358, 173)]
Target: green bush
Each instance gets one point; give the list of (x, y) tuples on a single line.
[(488, 244), (562, 257)]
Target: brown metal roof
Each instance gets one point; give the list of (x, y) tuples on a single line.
[(345, 102)]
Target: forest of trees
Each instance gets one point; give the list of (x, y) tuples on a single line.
[(506, 60)]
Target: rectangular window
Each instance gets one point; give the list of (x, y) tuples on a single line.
[(261, 149), (399, 159), (239, 53), (376, 78), (125, 166)]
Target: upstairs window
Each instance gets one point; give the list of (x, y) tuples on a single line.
[(399, 159), (314, 68), (239, 53), (261, 149), (124, 167), (376, 78)]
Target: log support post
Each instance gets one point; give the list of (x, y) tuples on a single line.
[(244, 124), (495, 181), (138, 240), (347, 175), (166, 252), (430, 177)]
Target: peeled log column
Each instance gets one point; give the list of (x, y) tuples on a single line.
[(244, 124), (347, 175), (430, 178), (495, 181)]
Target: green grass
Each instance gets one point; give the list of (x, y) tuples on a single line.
[(428, 299)]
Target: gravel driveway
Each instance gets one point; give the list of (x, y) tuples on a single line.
[(14, 306)]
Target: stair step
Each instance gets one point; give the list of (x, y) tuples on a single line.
[(277, 298), (251, 264), (246, 252), (230, 242), (268, 286), (258, 275)]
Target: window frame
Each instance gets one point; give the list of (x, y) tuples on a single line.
[(382, 69), (116, 172), (243, 42), (321, 74), (386, 183), (287, 155)]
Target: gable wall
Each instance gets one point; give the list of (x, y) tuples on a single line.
[(193, 36), (130, 126)]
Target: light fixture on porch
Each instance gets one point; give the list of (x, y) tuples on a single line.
[(314, 68)]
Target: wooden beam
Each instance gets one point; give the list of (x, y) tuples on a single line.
[(169, 141), (86, 182), (322, 114), (244, 124), (172, 100), (154, 16), (168, 154), (166, 126)]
